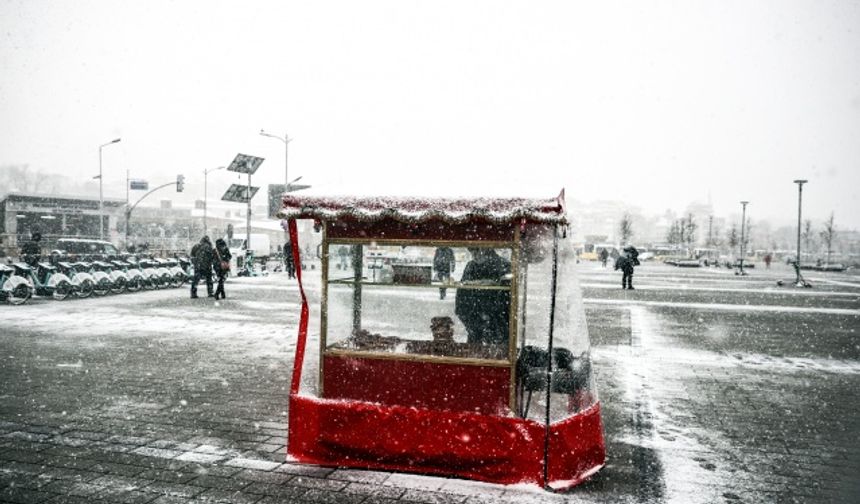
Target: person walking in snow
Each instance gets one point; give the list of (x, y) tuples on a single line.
[(443, 263), (222, 265), (289, 261), (202, 255), (625, 262), (603, 255)]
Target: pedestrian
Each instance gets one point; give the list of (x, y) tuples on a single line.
[(767, 260), (625, 262), (485, 312), (31, 251), (202, 256), (443, 263), (603, 255), (289, 261), (222, 265)]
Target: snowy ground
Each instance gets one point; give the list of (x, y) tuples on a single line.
[(715, 388)]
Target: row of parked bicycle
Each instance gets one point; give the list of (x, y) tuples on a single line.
[(19, 281)]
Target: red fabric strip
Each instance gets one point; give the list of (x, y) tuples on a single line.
[(303, 321)]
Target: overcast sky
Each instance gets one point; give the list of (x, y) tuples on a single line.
[(656, 103)]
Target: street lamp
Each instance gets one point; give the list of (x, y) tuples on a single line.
[(206, 193), (798, 281), (287, 189), (743, 228), (286, 141), (101, 197)]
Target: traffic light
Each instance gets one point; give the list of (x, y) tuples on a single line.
[(180, 183)]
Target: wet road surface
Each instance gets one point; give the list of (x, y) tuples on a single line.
[(715, 388)]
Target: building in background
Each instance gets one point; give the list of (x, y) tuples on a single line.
[(54, 217)]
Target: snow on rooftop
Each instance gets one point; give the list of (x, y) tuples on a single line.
[(415, 209)]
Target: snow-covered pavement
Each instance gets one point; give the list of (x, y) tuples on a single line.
[(715, 388)]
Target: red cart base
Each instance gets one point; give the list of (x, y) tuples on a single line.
[(468, 445)]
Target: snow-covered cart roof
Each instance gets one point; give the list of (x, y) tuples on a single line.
[(404, 209)]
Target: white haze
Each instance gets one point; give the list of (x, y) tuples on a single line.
[(654, 103)]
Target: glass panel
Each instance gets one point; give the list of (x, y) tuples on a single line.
[(572, 387), (419, 300)]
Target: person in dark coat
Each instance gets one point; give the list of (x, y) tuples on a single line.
[(485, 312), (289, 261), (31, 251), (222, 265), (625, 262), (443, 263), (202, 255), (603, 255)]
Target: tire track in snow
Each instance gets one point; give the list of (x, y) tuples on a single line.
[(648, 385)]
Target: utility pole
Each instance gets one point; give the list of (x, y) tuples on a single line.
[(286, 141), (101, 196), (743, 244), (799, 182)]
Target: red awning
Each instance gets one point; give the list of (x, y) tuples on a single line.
[(453, 210)]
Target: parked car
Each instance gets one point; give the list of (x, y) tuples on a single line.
[(81, 248)]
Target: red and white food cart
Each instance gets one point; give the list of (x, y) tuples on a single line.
[(449, 375)]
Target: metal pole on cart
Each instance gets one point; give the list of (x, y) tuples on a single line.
[(549, 350)]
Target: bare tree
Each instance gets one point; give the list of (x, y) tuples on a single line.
[(690, 228), (20, 178), (732, 237), (674, 235), (828, 235), (625, 228)]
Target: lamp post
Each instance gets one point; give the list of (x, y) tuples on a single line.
[(799, 182), (206, 193), (286, 141), (743, 239), (101, 197)]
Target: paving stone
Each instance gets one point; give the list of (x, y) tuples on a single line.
[(373, 489), (305, 470), (373, 499), (182, 475), (214, 470), (276, 478), (27, 436), (17, 455), (73, 487), (227, 497), (172, 489), (245, 463), (129, 497), (472, 488), (129, 440), (203, 458), (68, 462), (156, 452), (118, 469), (19, 495), (217, 482), (90, 435), (322, 484), (73, 499), (328, 497), (364, 476), (415, 482), (432, 497), (285, 492)]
